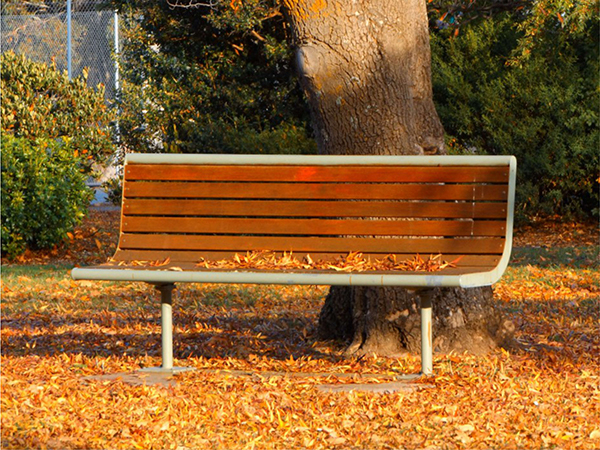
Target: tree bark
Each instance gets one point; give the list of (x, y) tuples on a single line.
[(365, 68)]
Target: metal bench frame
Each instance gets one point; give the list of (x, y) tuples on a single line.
[(423, 283)]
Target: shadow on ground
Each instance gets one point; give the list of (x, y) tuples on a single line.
[(215, 336)]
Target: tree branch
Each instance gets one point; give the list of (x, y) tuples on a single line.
[(193, 4)]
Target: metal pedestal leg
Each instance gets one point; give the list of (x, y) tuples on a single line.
[(166, 300), (426, 332)]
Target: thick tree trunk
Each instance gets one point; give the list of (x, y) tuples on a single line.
[(386, 321), (365, 68)]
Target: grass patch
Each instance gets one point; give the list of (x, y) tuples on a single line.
[(49, 289), (29, 273), (583, 256), (228, 296)]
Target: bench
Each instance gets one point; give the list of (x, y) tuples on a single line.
[(179, 211)]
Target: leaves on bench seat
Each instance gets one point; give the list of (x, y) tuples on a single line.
[(165, 262), (353, 262), (269, 260)]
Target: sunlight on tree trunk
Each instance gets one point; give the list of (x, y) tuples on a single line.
[(365, 67)]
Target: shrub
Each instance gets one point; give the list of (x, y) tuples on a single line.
[(44, 194), (543, 109), (40, 102)]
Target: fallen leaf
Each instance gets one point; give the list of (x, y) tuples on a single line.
[(467, 428)]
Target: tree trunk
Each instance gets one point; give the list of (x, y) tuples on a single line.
[(365, 68)]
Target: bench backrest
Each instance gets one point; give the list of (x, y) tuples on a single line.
[(188, 207)]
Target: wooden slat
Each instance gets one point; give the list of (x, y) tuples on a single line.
[(311, 244), (307, 208), (354, 174), (312, 226), (176, 256), (317, 191)]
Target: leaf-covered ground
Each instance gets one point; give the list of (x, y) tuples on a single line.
[(252, 344)]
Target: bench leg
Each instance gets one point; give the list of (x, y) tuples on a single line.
[(426, 296), (166, 320), (166, 323)]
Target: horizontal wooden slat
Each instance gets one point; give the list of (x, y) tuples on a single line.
[(307, 208), (354, 174), (311, 244), (317, 191), (313, 226), (182, 256)]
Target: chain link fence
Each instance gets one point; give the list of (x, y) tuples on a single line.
[(40, 31), (75, 36)]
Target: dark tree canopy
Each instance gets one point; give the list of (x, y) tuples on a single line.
[(210, 79)]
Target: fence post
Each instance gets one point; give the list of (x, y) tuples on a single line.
[(69, 36), (116, 44), (117, 81)]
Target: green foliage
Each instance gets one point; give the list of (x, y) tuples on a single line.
[(114, 190), (547, 23), (210, 80), (543, 108), (40, 102), (219, 79), (44, 194), (536, 20)]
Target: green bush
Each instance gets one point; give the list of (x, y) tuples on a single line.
[(543, 108), (44, 194), (40, 102)]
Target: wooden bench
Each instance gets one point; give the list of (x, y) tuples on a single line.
[(179, 210)]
